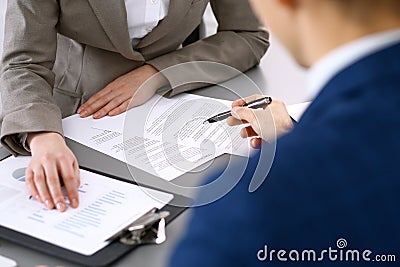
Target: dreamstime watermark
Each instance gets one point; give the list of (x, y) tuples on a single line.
[(171, 138), (340, 253)]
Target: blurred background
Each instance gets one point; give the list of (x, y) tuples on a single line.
[(3, 4), (281, 73)]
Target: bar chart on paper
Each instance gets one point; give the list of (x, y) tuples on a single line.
[(94, 214)]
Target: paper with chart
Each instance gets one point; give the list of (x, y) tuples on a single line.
[(106, 207), (165, 137)]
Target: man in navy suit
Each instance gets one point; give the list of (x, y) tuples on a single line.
[(332, 195)]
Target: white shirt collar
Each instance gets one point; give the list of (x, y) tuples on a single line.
[(327, 67), (143, 16)]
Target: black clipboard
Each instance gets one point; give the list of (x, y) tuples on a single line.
[(104, 257)]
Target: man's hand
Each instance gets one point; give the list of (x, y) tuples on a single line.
[(52, 161), (116, 97), (266, 124)]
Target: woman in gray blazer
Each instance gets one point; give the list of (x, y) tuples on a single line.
[(66, 56)]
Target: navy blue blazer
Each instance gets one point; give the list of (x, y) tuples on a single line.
[(333, 189)]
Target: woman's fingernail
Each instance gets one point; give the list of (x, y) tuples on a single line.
[(60, 206), (47, 203), (74, 203)]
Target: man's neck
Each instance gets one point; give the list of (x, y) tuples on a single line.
[(326, 37), (346, 55)]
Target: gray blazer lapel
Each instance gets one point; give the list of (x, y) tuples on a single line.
[(176, 12), (112, 16)]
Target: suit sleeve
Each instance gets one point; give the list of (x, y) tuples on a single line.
[(240, 42), (27, 80)]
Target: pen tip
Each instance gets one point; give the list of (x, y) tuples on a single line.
[(206, 122)]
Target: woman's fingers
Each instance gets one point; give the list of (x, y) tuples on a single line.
[(39, 179), (29, 181), (52, 161), (120, 109), (112, 98), (111, 105), (98, 101), (70, 175), (53, 183)]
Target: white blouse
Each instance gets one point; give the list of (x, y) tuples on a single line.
[(144, 16)]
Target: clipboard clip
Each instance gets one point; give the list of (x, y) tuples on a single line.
[(148, 229)]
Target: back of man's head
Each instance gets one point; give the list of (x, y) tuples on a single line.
[(312, 28)]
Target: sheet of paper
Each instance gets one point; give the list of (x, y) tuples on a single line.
[(165, 137), (7, 262), (106, 207)]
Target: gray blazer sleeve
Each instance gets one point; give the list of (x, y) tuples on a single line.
[(240, 42), (27, 80)]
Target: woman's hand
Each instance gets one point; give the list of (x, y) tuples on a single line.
[(116, 97), (52, 161), (266, 124)]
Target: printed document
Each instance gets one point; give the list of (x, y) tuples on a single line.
[(106, 207), (165, 137)]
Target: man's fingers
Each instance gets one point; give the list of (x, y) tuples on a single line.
[(253, 116), (253, 97), (244, 114), (248, 132), (238, 103), (232, 121), (256, 142), (243, 101), (53, 184), (70, 175)]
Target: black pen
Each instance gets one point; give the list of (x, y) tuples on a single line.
[(258, 103)]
